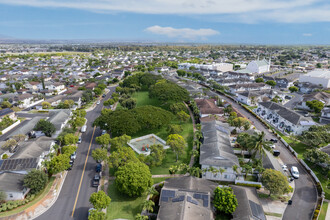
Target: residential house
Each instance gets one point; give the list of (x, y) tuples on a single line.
[(234, 89), (282, 118), (208, 107), (118, 73), (12, 185), (317, 77), (307, 87), (186, 198), (34, 86), (53, 101), (253, 97), (320, 96), (59, 119), (7, 112), (216, 151), (76, 97), (24, 100), (325, 115), (259, 66), (91, 85)]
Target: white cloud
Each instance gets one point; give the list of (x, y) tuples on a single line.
[(246, 11), (182, 33), (307, 34)]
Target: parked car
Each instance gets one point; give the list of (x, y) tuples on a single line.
[(71, 164), (104, 95), (273, 140), (276, 153), (285, 168), (98, 167), (79, 140), (96, 180), (98, 102), (288, 97), (83, 128), (103, 132), (294, 172), (73, 156), (273, 146)]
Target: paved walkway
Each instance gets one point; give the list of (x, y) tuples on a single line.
[(41, 206), (327, 215)]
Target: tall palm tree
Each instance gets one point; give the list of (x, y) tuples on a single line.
[(235, 168), (221, 170), (214, 171), (260, 145)]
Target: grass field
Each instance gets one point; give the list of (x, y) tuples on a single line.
[(40, 196), (122, 206), (323, 211), (187, 133)]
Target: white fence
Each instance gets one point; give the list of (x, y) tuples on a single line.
[(10, 127)]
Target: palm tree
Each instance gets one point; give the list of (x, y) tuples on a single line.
[(195, 171), (221, 170), (204, 170), (235, 168), (148, 205), (259, 145), (247, 169), (213, 170)]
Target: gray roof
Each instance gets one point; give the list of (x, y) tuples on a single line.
[(284, 112), (321, 96), (5, 111), (27, 127), (57, 118), (216, 149), (55, 98), (186, 198), (33, 148), (11, 182)]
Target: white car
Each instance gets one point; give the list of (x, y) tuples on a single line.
[(273, 146), (294, 172), (79, 140), (285, 168), (103, 132), (98, 102)]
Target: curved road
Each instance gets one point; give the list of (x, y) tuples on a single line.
[(63, 208), (305, 195)]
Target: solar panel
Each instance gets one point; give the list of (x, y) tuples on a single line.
[(178, 199), (257, 210), (168, 193), (14, 164), (164, 199), (222, 129), (205, 202), (197, 196), (189, 199)]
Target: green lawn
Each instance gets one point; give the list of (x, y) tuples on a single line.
[(123, 206), (39, 196), (323, 211)]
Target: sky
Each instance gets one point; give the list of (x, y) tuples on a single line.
[(178, 21)]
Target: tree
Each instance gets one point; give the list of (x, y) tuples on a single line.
[(247, 168), (141, 217), (104, 140), (133, 179), (87, 96), (174, 129), (68, 150), (177, 107), (148, 205), (121, 156), (275, 182), (224, 200), (319, 65), (109, 102), (120, 141), (96, 215), (317, 157), (315, 105), (177, 144), (46, 127), (19, 137), (5, 104), (272, 83), (70, 139), (97, 91), (182, 116), (293, 89), (46, 105), (167, 91), (9, 144), (3, 196), (36, 180), (259, 80), (57, 164), (128, 103), (79, 121), (99, 200), (258, 145), (157, 153), (100, 154)]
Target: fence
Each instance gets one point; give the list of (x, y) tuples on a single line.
[(10, 127)]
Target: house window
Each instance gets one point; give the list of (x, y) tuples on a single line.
[(11, 195), (225, 176)]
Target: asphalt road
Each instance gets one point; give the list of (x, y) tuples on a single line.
[(63, 207), (305, 195)]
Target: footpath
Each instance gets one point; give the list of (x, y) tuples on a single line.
[(44, 204)]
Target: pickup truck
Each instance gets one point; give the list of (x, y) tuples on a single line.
[(96, 180)]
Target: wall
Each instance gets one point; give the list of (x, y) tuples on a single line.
[(10, 127)]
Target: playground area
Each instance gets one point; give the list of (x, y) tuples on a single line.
[(141, 145)]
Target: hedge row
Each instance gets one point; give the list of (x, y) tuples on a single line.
[(7, 206)]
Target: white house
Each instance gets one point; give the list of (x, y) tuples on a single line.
[(282, 118), (320, 96), (217, 152), (259, 66), (12, 185), (234, 89), (317, 77)]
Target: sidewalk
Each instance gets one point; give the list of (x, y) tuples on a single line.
[(327, 215), (44, 204)]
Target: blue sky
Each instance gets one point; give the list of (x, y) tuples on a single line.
[(204, 21)]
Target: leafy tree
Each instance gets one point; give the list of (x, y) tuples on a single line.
[(178, 107), (96, 215), (157, 153), (315, 105), (100, 154), (70, 139), (46, 105), (133, 179), (259, 80), (174, 129), (109, 102), (182, 116), (148, 205), (9, 144), (120, 141), (247, 168), (225, 200), (99, 200), (319, 65), (167, 91), (19, 137), (87, 96), (57, 164), (104, 140), (121, 156), (259, 145), (98, 91), (275, 182), (141, 217), (128, 103), (79, 121), (68, 150), (4, 156), (80, 113), (3, 196), (5, 104), (177, 144), (272, 83), (316, 156), (46, 127), (36, 180), (293, 89)]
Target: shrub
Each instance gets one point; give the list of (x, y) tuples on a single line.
[(249, 184)]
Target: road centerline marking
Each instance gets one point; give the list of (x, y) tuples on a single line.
[(82, 175)]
